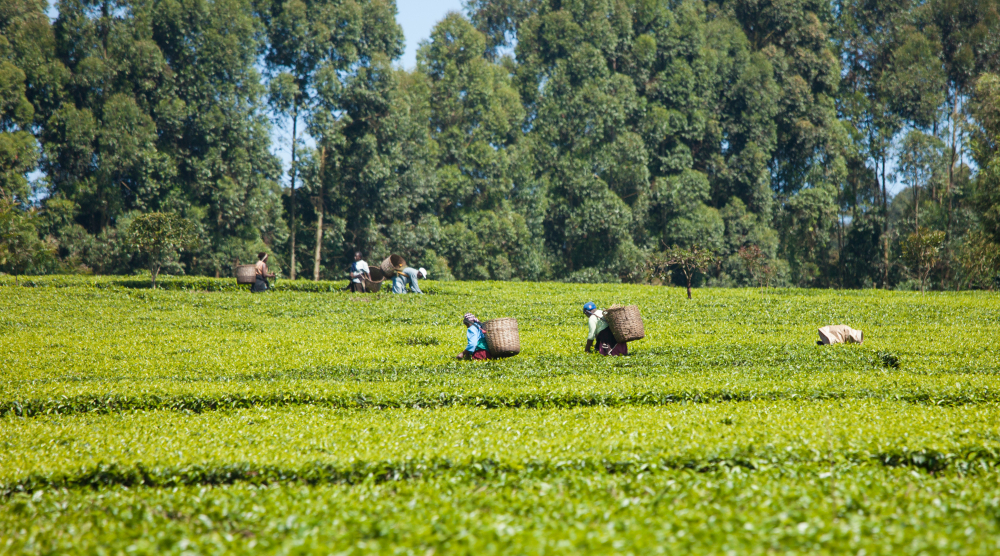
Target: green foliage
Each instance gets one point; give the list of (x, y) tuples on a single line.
[(535, 140), (18, 150), (979, 259), (689, 261), (20, 248), (920, 250), (198, 416), (160, 235), (986, 148)]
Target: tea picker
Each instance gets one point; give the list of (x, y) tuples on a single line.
[(839, 334), (613, 329), (402, 276), (358, 272), (407, 278), (493, 339), (476, 346), (261, 274)]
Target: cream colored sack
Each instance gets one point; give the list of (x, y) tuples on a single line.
[(839, 334)]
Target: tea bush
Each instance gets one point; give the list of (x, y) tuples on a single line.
[(198, 417)]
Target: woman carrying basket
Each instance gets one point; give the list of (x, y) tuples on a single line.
[(476, 347), (599, 330), (261, 274)]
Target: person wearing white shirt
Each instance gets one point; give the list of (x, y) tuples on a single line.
[(359, 270)]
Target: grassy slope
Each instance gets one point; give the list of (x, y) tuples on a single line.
[(314, 374)]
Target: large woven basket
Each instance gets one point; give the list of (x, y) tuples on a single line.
[(502, 337), (625, 323), (246, 274), (391, 265), (374, 283)]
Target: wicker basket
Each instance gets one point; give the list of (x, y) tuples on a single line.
[(502, 337), (625, 323), (374, 283), (391, 265), (246, 274)]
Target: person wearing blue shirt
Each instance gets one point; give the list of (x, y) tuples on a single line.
[(476, 346), (408, 278)]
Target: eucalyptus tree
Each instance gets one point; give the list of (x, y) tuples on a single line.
[(24, 30), (18, 149), (310, 38), (217, 128), (986, 151), (966, 39), (475, 121), (647, 120), (160, 109)]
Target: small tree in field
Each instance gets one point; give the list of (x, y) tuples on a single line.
[(920, 251), (689, 261), (158, 235)]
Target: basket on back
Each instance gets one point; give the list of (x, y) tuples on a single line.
[(502, 337), (625, 323), (373, 281), (246, 274), (391, 265)]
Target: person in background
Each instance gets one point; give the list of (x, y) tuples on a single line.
[(261, 274), (599, 332), (359, 269), (476, 347), (408, 278)]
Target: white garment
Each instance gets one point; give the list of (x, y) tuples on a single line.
[(597, 324), (359, 268), (840, 334)]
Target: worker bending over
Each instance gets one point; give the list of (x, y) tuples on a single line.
[(408, 278), (476, 346)]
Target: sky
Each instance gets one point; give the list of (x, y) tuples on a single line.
[(418, 17)]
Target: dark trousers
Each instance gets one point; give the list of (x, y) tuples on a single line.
[(260, 285), (607, 345)]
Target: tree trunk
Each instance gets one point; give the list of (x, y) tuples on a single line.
[(319, 216), (295, 121), (885, 271), (951, 167)]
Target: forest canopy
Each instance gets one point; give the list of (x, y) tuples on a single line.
[(578, 140)]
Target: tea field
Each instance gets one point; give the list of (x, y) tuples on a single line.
[(201, 419)]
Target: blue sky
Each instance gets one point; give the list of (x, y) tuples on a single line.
[(418, 17)]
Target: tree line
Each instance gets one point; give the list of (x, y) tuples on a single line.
[(579, 140)]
